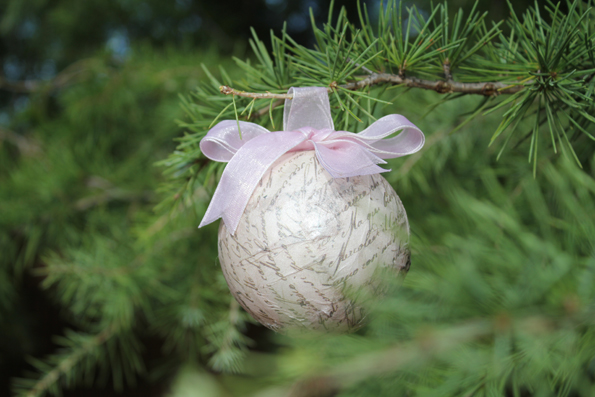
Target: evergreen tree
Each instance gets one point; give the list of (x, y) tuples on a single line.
[(499, 299)]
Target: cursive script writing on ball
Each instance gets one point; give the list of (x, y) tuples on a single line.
[(306, 238)]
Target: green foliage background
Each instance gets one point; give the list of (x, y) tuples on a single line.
[(106, 284)]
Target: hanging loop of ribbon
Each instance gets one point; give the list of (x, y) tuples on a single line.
[(307, 125)]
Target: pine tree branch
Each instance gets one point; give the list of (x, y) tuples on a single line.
[(20, 87), (86, 203), (74, 73), (446, 69), (229, 341), (440, 86), (327, 383), (25, 146), (68, 363), (424, 348), (267, 95)]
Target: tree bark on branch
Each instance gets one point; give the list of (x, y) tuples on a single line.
[(440, 86)]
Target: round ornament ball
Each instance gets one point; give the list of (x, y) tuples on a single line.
[(306, 241)]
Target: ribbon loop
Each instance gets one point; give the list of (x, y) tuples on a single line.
[(223, 140), (308, 125), (344, 158), (309, 107), (409, 141)]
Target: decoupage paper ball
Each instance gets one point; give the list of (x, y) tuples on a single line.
[(305, 239)]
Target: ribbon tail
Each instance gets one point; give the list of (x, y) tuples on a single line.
[(345, 158), (244, 172)]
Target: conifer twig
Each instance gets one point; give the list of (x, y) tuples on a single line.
[(20, 87), (446, 68), (25, 146), (68, 363), (440, 86), (72, 74), (267, 95)]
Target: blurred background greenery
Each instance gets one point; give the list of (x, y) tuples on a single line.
[(89, 99)]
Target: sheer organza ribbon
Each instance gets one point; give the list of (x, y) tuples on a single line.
[(307, 125)]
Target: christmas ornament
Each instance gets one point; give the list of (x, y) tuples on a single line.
[(307, 219)]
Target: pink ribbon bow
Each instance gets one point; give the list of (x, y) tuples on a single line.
[(307, 125)]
